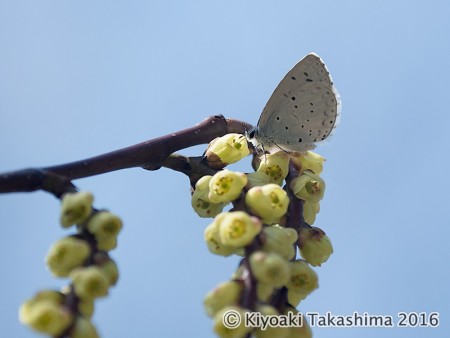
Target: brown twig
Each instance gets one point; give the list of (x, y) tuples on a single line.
[(295, 210), (193, 167), (149, 155)]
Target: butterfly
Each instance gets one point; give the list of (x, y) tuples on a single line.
[(303, 110)]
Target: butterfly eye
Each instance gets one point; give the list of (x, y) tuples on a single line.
[(251, 133)]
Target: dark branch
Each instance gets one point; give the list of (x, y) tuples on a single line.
[(150, 155), (193, 167), (295, 209)]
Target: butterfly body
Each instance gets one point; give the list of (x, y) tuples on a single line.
[(303, 109)]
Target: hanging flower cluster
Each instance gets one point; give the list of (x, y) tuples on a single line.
[(83, 258), (263, 226)]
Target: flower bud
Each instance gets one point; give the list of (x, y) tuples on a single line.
[(310, 211), (75, 208), (275, 166), (89, 282), (238, 229), (256, 179), (270, 331), (104, 224), (44, 295), (308, 187), (240, 252), (213, 240), (86, 307), (200, 201), (303, 331), (110, 270), (280, 240), (264, 292), (270, 268), (67, 254), (315, 246), (225, 150), (45, 316), (107, 243), (224, 331), (267, 310), (224, 294), (270, 202), (302, 279), (83, 329), (51, 295), (309, 161), (294, 298), (225, 186)]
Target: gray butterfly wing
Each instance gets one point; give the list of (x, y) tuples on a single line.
[(306, 116), (297, 83)]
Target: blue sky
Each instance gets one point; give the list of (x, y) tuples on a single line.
[(81, 78)]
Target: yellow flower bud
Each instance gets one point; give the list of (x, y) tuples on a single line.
[(200, 201), (270, 331), (110, 270), (303, 331), (223, 331), (256, 179), (275, 166), (238, 229), (264, 291), (45, 316), (107, 243), (67, 254), (310, 211), (270, 202), (83, 329), (309, 187), (213, 240), (44, 295), (51, 295), (315, 246), (225, 150), (303, 279), (294, 298), (86, 307), (104, 224), (309, 161), (240, 252), (225, 186), (224, 294), (280, 240), (89, 282), (75, 208), (270, 268)]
